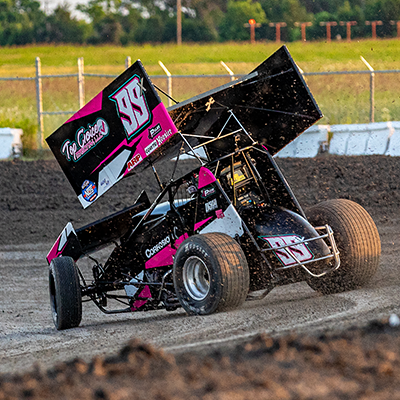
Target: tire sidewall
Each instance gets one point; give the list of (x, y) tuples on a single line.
[(349, 222), (54, 297), (195, 246), (65, 296)]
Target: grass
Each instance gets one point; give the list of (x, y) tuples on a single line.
[(312, 56), (342, 98)]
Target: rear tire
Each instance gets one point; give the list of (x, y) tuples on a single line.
[(357, 239), (65, 293), (210, 274)]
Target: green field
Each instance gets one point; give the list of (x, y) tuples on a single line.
[(342, 98)]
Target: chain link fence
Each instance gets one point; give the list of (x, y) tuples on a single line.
[(343, 96)]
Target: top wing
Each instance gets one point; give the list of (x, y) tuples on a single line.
[(118, 132), (273, 104)]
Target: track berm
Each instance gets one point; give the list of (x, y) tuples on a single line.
[(36, 202)]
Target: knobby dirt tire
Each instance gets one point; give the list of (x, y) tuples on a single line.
[(358, 242), (226, 282), (65, 293)]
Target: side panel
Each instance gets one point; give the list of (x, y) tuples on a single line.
[(227, 221), (67, 244), (215, 212), (120, 131)]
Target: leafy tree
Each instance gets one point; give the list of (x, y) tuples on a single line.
[(316, 31), (21, 22), (105, 16), (62, 27), (238, 13), (289, 11), (318, 6), (130, 21), (159, 27), (197, 30), (347, 12), (207, 17), (385, 11)]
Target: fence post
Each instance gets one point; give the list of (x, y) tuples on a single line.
[(371, 90), (39, 103), (230, 72), (169, 82), (128, 62), (81, 83)]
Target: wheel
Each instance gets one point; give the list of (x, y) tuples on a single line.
[(210, 274), (358, 242), (65, 293)]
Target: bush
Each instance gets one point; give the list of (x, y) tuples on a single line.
[(14, 118)]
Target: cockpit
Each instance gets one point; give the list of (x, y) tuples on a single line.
[(242, 186)]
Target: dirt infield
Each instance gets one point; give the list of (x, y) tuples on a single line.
[(36, 202)]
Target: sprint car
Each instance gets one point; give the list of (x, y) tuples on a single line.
[(229, 230)]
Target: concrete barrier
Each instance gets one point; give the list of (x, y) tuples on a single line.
[(308, 144), (394, 141), (10, 142), (360, 139)]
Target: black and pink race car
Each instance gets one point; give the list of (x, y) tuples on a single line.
[(228, 231)]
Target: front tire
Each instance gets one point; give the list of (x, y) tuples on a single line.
[(65, 293), (358, 242), (210, 274)]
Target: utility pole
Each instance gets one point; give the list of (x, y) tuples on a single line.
[(348, 24), (303, 26), (328, 25), (178, 22), (277, 26)]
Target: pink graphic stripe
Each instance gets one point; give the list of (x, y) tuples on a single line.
[(205, 177), (93, 106), (163, 257), (139, 303), (53, 253), (201, 223)]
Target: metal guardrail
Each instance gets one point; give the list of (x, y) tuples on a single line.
[(80, 75)]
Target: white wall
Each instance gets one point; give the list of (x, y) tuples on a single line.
[(351, 140), (10, 142)]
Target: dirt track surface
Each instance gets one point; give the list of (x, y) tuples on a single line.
[(218, 356)]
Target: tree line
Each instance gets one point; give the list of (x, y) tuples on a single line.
[(154, 21)]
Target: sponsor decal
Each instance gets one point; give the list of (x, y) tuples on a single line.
[(211, 205), (163, 138), (207, 192), (159, 140), (220, 214), (89, 190), (135, 160), (285, 255), (158, 247), (105, 182), (132, 106), (154, 131), (192, 189), (85, 140), (151, 147)]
